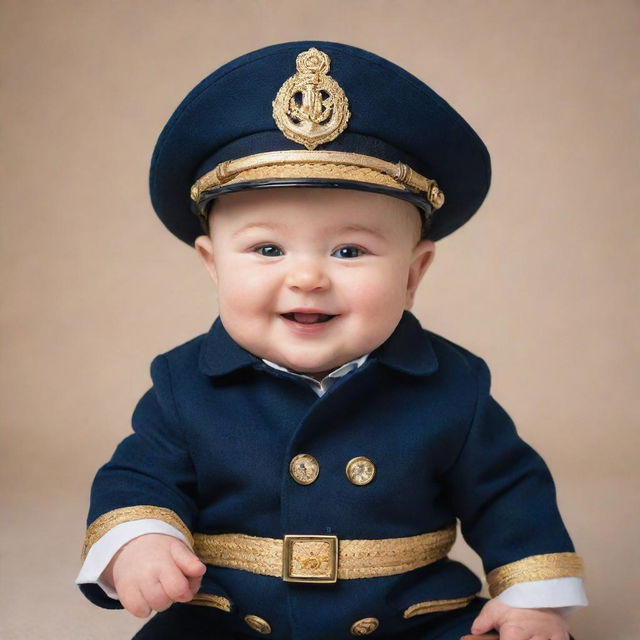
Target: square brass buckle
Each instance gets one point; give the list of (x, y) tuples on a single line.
[(309, 558)]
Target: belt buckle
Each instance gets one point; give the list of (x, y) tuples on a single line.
[(309, 558)]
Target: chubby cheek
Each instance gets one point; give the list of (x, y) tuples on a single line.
[(239, 305), (242, 302), (371, 287), (242, 285), (377, 300), (244, 318)]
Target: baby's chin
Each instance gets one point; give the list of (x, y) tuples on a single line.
[(318, 375), (319, 371), (308, 366)]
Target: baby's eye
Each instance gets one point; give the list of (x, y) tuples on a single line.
[(269, 250), (348, 252)]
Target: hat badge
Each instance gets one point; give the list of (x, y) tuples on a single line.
[(311, 108)]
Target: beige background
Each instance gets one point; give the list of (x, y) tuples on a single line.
[(542, 283)]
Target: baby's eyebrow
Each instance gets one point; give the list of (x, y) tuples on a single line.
[(269, 226), (360, 228), (337, 229)]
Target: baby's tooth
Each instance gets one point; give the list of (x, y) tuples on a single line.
[(307, 318)]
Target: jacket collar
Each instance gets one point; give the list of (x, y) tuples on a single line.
[(220, 354), (408, 350)]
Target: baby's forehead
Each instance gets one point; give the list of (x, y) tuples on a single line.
[(327, 205), (312, 211)]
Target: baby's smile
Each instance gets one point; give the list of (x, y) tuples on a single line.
[(308, 322), (307, 317)]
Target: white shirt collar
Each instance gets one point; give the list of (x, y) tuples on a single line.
[(321, 386)]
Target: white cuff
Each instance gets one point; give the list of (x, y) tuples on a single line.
[(109, 544), (555, 592)]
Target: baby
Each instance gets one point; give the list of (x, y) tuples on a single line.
[(298, 471)]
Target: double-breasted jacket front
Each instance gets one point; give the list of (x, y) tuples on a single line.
[(211, 454)]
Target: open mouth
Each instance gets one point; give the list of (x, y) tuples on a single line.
[(307, 318)]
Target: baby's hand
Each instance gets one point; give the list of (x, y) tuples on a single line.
[(153, 571), (520, 624)]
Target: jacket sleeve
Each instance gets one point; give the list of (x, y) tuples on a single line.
[(103, 550), (150, 475), (503, 494)]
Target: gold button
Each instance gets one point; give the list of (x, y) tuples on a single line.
[(360, 470), (258, 624), (364, 627), (304, 469)]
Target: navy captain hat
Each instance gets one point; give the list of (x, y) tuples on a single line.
[(317, 114)]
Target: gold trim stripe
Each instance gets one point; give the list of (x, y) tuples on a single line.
[(323, 164), (541, 567), (209, 600), (109, 520), (356, 558), (318, 170), (432, 606)]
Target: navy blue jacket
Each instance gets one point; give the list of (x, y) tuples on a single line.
[(214, 437)]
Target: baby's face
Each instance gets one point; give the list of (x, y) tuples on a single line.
[(311, 278)]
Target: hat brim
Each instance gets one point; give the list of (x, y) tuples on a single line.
[(203, 206)]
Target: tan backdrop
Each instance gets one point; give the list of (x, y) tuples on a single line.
[(541, 283)]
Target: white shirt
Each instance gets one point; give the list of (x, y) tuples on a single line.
[(557, 592)]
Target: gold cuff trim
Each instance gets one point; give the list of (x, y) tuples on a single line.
[(332, 165), (541, 567), (109, 520), (432, 606), (356, 558), (209, 600)]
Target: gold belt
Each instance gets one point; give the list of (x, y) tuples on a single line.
[(322, 558)]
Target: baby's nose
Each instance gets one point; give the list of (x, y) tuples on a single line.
[(307, 275)]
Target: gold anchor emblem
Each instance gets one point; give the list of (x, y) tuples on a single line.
[(311, 107)]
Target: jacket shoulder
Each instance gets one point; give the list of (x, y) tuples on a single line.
[(187, 350), (454, 356), (180, 361)]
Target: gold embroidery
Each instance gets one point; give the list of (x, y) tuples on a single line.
[(311, 107), (541, 567), (258, 624), (318, 171), (108, 520), (364, 627), (332, 165), (356, 558), (209, 600), (431, 606)]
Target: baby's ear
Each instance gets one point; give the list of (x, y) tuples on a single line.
[(423, 255), (204, 248)]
